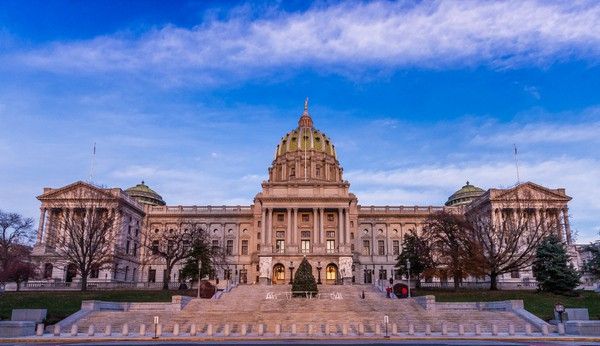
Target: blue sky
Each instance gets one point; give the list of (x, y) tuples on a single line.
[(192, 97)]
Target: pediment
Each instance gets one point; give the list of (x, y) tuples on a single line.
[(77, 190), (531, 192)]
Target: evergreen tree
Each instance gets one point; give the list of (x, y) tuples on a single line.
[(304, 280), (417, 251), (592, 266), (552, 269)]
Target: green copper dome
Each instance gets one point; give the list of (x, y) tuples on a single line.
[(305, 137), (145, 195), (465, 195)]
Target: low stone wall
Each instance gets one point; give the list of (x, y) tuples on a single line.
[(11, 329), (583, 328)]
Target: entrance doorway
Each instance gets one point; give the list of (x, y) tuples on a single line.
[(243, 276), (368, 276), (331, 274), (279, 274)]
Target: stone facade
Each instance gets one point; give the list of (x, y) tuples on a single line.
[(305, 208)]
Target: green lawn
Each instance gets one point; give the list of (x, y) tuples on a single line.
[(540, 304), (62, 304)]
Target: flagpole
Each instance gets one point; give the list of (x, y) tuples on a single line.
[(517, 164), (93, 163)]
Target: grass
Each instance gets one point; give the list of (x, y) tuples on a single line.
[(61, 304), (539, 304)]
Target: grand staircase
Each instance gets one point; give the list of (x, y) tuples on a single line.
[(248, 304)]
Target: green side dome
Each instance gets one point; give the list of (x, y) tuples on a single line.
[(465, 195), (145, 195)]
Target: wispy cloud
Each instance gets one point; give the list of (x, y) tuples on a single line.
[(562, 131), (340, 37)]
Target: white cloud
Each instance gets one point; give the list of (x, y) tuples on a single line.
[(432, 184), (342, 36)]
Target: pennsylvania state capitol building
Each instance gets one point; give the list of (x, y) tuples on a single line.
[(305, 208)]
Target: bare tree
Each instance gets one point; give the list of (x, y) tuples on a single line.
[(15, 232), (171, 246), (509, 243), (448, 238), (84, 236), (20, 267)]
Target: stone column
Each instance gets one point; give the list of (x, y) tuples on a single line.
[(321, 229), (289, 234), (41, 225), (567, 225), (295, 224), (269, 226), (316, 221), (347, 220), (263, 228), (341, 238)]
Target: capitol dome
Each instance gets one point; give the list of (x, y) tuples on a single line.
[(305, 153), (465, 195), (145, 195)]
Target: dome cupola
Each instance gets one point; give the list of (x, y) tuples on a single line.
[(145, 195)]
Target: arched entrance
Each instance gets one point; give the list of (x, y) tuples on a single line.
[(331, 274), (279, 274)]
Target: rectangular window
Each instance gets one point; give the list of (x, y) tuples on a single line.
[(305, 217), (352, 247), (318, 171), (127, 247), (305, 246), (305, 234), (381, 247), (244, 247), (95, 272), (215, 243), (351, 235), (258, 247), (155, 247), (280, 234), (258, 235), (396, 247), (280, 217), (229, 247), (330, 246), (330, 217), (135, 246), (515, 274), (366, 248), (330, 234), (152, 275), (279, 245)]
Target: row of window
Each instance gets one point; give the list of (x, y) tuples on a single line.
[(381, 249), (305, 217)]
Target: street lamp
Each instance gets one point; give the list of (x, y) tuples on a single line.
[(319, 271), (408, 275), (199, 271), (291, 272)]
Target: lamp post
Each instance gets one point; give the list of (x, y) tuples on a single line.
[(291, 272), (319, 271), (408, 275), (199, 277)]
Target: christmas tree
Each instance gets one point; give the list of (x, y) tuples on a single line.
[(304, 281), (552, 269)]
